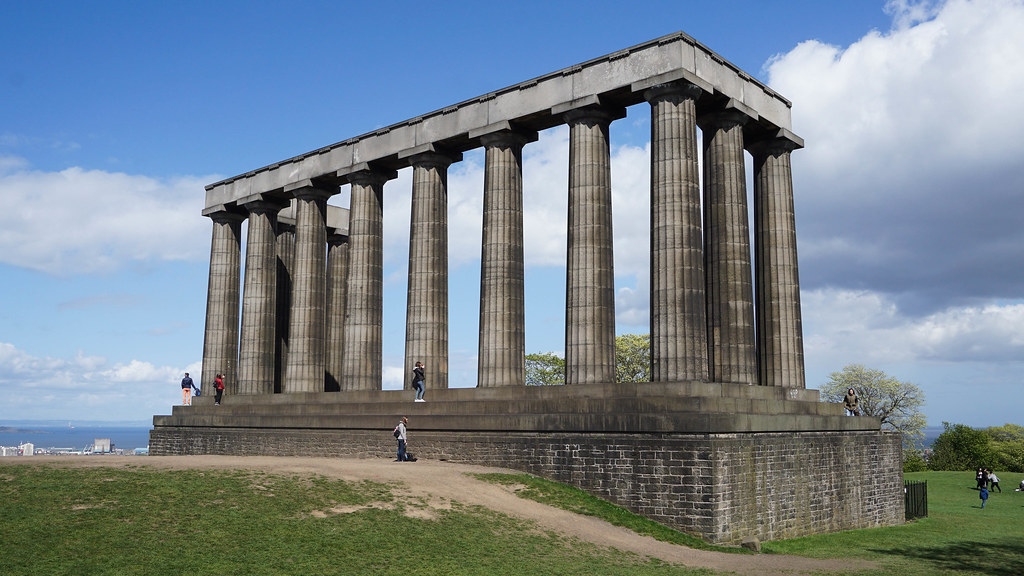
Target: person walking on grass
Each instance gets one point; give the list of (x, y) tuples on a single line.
[(993, 482), (418, 381), (983, 494)]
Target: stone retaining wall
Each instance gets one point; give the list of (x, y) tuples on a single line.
[(721, 487)]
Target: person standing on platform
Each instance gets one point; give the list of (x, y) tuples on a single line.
[(851, 402), (186, 390), (218, 384), (418, 381)]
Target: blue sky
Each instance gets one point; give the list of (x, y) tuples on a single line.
[(909, 194)]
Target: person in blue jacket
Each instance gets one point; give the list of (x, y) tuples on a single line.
[(983, 494)]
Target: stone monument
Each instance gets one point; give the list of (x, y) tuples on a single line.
[(726, 442)]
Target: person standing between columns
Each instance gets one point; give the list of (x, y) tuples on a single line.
[(218, 385), (418, 382), (186, 390)]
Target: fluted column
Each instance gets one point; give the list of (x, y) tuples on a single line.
[(337, 277), (426, 320), (285, 267), (305, 368), (362, 366), (590, 274), (731, 349), (220, 341), (259, 301), (780, 345), (679, 345), (502, 344)]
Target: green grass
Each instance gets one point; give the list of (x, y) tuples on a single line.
[(577, 501), (957, 537), (58, 520)]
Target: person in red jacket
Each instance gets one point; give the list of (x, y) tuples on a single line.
[(218, 384)]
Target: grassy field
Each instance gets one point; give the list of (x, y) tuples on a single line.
[(100, 521), (106, 521), (957, 537)]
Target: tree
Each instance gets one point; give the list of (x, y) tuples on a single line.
[(960, 447), (633, 358), (897, 404), (1007, 446), (545, 369)]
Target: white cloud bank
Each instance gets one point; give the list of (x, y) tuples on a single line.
[(89, 221)]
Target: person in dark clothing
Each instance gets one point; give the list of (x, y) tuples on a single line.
[(187, 386), (418, 381), (851, 403), (402, 438)]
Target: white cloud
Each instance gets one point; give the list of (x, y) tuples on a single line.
[(843, 326), (46, 388), (88, 221), (910, 182)]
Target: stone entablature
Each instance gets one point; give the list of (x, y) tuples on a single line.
[(618, 79)]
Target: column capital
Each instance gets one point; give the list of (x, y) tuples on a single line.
[(430, 156), (780, 142), (503, 134), (674, 91), (222, 214), (306, 189), (593, 114), (733, 113), (261, 203), (365, 175)]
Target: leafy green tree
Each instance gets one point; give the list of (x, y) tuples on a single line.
[(960, 447), (1007, 446), (913, 461), (545, 369), (633, 358), (897, 404)]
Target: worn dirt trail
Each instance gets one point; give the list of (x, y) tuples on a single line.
[(440, 483)]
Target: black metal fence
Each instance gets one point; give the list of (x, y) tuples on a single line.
[(915, 498)]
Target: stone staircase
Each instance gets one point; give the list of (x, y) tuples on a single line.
[(676, 407)]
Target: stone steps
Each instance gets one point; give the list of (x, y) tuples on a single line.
[(683, 407)]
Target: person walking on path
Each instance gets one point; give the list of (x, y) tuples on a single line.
[(218, 384), (993, 482), (401, 431), (418, 381), (851, 402), (187, 386), (983, 494)]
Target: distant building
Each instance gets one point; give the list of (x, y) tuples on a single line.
[(27, 449), (101, 445)]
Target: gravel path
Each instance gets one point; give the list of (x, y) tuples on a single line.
[(440, 483)]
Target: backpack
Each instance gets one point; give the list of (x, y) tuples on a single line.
[(397, 433)]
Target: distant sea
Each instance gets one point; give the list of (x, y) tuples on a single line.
[(75, 436)]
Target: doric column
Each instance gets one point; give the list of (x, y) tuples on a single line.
[(362, 367), (220, 342), (679, 344), (285, 267), (780, 346), (590, 274), (305, 368), (502, 344), (337, 277), (426, 319), (731, 350), (259, 300)]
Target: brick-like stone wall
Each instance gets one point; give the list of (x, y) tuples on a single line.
[(721, 487)]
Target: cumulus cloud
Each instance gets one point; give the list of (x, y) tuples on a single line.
[(90, 221), (910, 183), (57, 387)]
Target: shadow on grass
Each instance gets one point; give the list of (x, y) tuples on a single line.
[(999, 558)]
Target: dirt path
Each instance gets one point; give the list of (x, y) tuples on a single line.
[(440, 483)]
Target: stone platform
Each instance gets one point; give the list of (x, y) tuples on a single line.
[(720, 461)]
